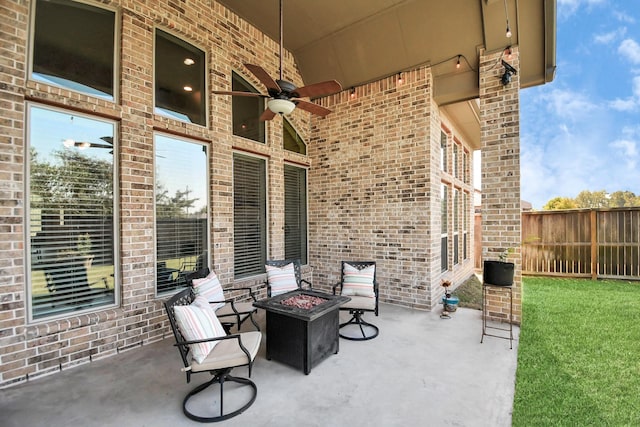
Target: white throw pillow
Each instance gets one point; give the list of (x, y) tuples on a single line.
[(281, 279), (196, 322), (356, 282), (210, 288)]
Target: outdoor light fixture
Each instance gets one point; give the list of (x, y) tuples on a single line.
[(353, 93), (458, 63), (506, 12), (508, 72), (399, 78), (508, 52), (281, 106)]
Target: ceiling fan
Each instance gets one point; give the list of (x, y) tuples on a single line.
[(284, 96), (86, 144)]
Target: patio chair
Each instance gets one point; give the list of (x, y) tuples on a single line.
[(358, 281), (231, 313), (68, 283), (284, 275), (204, 347)]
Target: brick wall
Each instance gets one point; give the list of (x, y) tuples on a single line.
[(374, 182), (32, 350), (375, 192), (501, 213)]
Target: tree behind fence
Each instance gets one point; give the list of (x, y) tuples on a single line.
[(595, 243)]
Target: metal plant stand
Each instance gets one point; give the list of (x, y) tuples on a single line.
[(486, 287)]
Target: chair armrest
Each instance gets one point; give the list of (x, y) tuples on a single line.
[(336, 287), (250, 290), (233, 307), (225, 337), (307, 282)]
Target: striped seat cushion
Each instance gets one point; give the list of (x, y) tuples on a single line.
[(356, 282), (196, 322), (281, 279)]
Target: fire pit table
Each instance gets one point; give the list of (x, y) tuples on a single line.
[(302, 327)]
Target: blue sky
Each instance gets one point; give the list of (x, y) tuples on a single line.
[(582, 131)]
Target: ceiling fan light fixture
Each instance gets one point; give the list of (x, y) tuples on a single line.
[(281, 106)]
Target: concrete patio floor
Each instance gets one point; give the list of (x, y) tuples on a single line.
[(420, 371)]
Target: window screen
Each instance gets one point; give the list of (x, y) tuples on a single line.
[(71, 212)]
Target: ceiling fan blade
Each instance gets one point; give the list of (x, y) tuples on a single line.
[(267, 115), (311, 107), (319, 89), (263, 76), (239, 93)]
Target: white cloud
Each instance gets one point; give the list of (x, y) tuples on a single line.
[(632, 103), (631, 131), (628, 147), (610, 37), (628, 105), (635, 84), (567, 8), (623, 17), (568, 104), (628, 151), (630, 49)]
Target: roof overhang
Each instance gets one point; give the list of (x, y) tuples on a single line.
[(360, 41)]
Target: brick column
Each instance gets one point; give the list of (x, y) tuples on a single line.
[(500, 145)]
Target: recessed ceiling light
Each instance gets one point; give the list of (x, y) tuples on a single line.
[(189, 61), (188, 88)]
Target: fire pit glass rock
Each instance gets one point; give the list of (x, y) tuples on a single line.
[(305, 302)]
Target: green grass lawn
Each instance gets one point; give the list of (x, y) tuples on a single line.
[(579, 354)]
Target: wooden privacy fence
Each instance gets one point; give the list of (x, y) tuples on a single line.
[(595, 243)]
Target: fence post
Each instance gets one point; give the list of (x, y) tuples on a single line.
[(594, 245)]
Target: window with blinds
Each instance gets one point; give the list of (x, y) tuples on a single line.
[(465, 225), (456, 226), (249, 215), (71, 212), (182, 211), (63, 55), (444, 236), (443, 151), (295, 213), (246, 111)]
